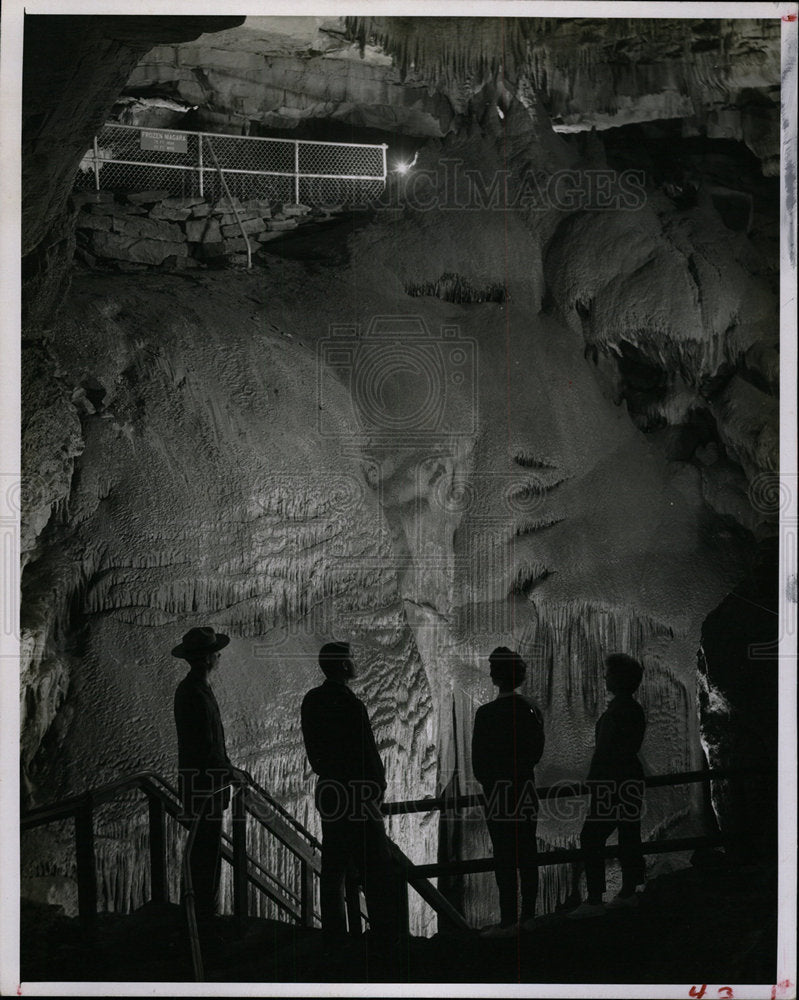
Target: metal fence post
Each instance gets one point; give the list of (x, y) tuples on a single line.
[(296, 172), (96, 165), (200, 147), (306, 894), (385, 147), (239, 834), (353, 904), (159, 892), (85, 861)]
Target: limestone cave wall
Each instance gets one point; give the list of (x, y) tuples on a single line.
[(571, 473)]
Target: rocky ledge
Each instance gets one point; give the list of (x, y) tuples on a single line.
[(152, 229)]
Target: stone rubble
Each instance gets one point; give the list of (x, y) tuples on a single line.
[(156, 229)]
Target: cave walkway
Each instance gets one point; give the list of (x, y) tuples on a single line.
[(693, 926), (243, 948)]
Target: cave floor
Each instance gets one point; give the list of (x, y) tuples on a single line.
[(692, 926)]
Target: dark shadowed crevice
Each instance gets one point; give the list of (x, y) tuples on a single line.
[(738, 706)]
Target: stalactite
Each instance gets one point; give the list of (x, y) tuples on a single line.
[(565, 646), (570, 58), (455, 288), (567, 642)]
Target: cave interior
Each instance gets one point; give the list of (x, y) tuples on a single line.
[(566, 442)]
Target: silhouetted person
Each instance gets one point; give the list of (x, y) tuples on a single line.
[(507, 743), (617, 789), (203, 763), (342, 751)]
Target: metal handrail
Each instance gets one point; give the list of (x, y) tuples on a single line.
[(564, 855), (188, 890), (571, 789), (242, 170), (64, 809), (153, 784), (303, 831), (200, 169), (227, 843), (251, 138), (305, 846)]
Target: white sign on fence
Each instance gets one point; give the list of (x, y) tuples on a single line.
[(164, 142)]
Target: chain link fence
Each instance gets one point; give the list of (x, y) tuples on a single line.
[(128, 158)]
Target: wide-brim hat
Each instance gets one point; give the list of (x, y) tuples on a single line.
[(198, 641)]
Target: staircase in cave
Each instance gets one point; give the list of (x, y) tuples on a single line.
[(680, 933), (692, 909)]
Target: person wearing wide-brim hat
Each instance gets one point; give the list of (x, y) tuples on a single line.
[(203, 763)]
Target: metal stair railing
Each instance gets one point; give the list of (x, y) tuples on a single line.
[(188, 884), (565, 789), (566, 855), (251, 799), (164, 800)]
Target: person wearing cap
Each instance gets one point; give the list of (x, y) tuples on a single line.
[(351, 783), (507, 743), (203, 763)]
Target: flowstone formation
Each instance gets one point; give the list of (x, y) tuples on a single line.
[(528, 408)]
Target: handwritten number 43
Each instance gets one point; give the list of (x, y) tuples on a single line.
[(699, 991)]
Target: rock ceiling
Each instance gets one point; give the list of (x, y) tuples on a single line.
[(416, 75)]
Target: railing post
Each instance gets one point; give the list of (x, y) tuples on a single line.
[(385, 147), (85, 861), (226, 189), (159, 892), (403, 891), (306, 895), (296, 172), (96, 165), (239, 834), (353, 903), (200, 148)]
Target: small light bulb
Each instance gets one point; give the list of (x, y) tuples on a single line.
[(499, 112), (403, 168)]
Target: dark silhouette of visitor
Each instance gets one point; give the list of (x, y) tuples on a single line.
[(342, 751), (203, 763), (617, 790), (507, 743)]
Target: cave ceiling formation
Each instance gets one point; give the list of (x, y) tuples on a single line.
[(225, 474), (73, 70), (719, 77)]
